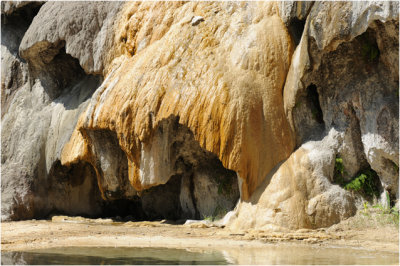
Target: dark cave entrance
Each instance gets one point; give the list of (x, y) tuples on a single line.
[(296, 28), (315, 106), (308, 115), (197, 185), (59, 73), (23, 15)]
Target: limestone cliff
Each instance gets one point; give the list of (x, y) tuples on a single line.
[(179, 109)]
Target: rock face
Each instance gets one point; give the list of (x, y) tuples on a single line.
[(287, 199), (37, 119), (231, 100), (176, 110), (86, 31), (341, 98), (361, 60)]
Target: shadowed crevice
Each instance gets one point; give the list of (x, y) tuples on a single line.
[(296, 28)]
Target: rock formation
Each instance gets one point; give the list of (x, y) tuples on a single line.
[(176, 110)]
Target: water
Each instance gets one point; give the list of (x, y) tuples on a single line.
[(101, 256), (273, 254)]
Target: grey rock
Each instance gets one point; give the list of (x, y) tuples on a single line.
[(347, 53), (9, 7), (16, 19), (332, 23), (86, 30), (111, 165), (291, 10), (205, 187), (40, 109)]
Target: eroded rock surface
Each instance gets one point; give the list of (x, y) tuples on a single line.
[(176, 110), (341, 98), (356, 78), (287, 199), (37, 119), (231, 100)]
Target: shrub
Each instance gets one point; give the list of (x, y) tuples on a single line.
[(365, 181), (339, 172)]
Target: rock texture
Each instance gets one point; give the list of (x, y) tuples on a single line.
[(299, 192), (341, 98), (176, 110), (38, 117), (358, 54), (231, 100), (86, 31)]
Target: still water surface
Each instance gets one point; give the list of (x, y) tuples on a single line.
[(140, 256)]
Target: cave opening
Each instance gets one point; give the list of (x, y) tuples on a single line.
[(201, 186), (369, 47), (73, 190), (313, 99), (21, 17), (296, 28), (59, 72), (195, 186), (69, 190), (308, 116), (365, 182)]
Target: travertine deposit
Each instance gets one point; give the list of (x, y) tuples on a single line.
[(184, 110)]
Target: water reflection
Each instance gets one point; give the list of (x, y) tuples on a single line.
[(113, 256), (309, 255), (271, 254)]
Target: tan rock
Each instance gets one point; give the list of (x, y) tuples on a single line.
[(298, 193), (223, 78)]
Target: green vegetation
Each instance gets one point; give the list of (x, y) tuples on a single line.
[(219, 212), (208, 218), (385, 214), (339, 172), (364, 182)]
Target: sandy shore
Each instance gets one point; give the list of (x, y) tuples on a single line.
[(76, 231)]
